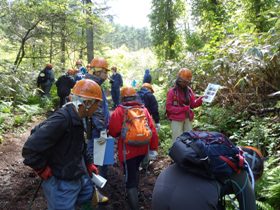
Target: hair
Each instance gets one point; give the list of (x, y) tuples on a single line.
[(129, 98)]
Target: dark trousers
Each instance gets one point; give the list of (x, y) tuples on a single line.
[(132, 166), (115, 92)]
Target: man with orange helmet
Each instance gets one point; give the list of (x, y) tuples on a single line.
[(45, 80), (64, 84), (56, 150), (116, 83), (200, 193), (180, 102), (131, 156), (100, 118)]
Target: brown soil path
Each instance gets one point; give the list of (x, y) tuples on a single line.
[(18, 183)]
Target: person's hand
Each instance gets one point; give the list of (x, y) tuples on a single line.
[(91, 168), (103, 137), (44, 173), (157, 127), (101, 140), (200, 100), (186, 108)]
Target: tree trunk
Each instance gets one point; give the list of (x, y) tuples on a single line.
[(89, 34), (63, 43), (51, 44)]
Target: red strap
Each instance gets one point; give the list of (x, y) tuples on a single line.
[(230, 163)]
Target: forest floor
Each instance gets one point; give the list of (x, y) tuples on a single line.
[(18, 183)]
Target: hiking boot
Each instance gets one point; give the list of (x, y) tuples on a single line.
[(133, 201)]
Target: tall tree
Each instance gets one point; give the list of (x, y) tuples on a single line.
[(164, 33)]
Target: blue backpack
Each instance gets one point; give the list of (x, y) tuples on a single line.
[(208, 154)]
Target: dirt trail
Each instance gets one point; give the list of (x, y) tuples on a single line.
[(18, 183)]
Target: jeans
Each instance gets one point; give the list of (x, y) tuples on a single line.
[(65, 195)]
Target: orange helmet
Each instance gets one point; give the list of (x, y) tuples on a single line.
[(49, 66), (148, 86), (71, 71), (255, 160), (127, 92), (88, 89), (79, 62), (185, 74), (99, 64)]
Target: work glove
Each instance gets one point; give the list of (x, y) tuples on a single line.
[(153, 154), (44, 173), (103, 137), (91, 168), (186, 108), (157, 127)]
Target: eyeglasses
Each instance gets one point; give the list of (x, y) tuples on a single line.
[(88, 103)]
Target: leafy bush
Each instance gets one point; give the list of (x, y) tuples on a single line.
[(268, 188)]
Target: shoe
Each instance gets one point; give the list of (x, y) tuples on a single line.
[(98, 198)]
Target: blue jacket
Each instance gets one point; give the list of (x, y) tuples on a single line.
[(150, 102), (147, 77), (116, 81)]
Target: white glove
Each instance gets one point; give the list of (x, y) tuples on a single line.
[(153, 154), (103, 137), (157, 127)]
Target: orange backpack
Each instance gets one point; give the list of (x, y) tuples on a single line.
[(135, 128)]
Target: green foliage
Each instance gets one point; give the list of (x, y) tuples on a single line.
[(216, 119), (21, 119), (165, 38), (165, 136), (268, 188), (133, 38), (263, 133), (131, 65)]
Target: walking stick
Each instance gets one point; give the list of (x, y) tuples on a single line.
[(35, 194)]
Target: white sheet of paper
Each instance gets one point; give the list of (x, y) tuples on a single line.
[(210, 92), (98, 153)]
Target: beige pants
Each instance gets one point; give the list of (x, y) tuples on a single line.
[(178, 127)]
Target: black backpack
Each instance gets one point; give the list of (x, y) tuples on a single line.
[(208, 154), (43, 76)]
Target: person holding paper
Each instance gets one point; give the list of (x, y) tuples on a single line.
[(180, 102), (131, 155), (100, 119), (56, 150)]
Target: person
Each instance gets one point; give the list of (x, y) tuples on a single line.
[(147, 97), (56, 150), (129, 156), (45, 80), (147, 77), (134, 83), (199, 193), (180, 102), (100, 118), (116, 83), (64, 84), (81, 70)]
